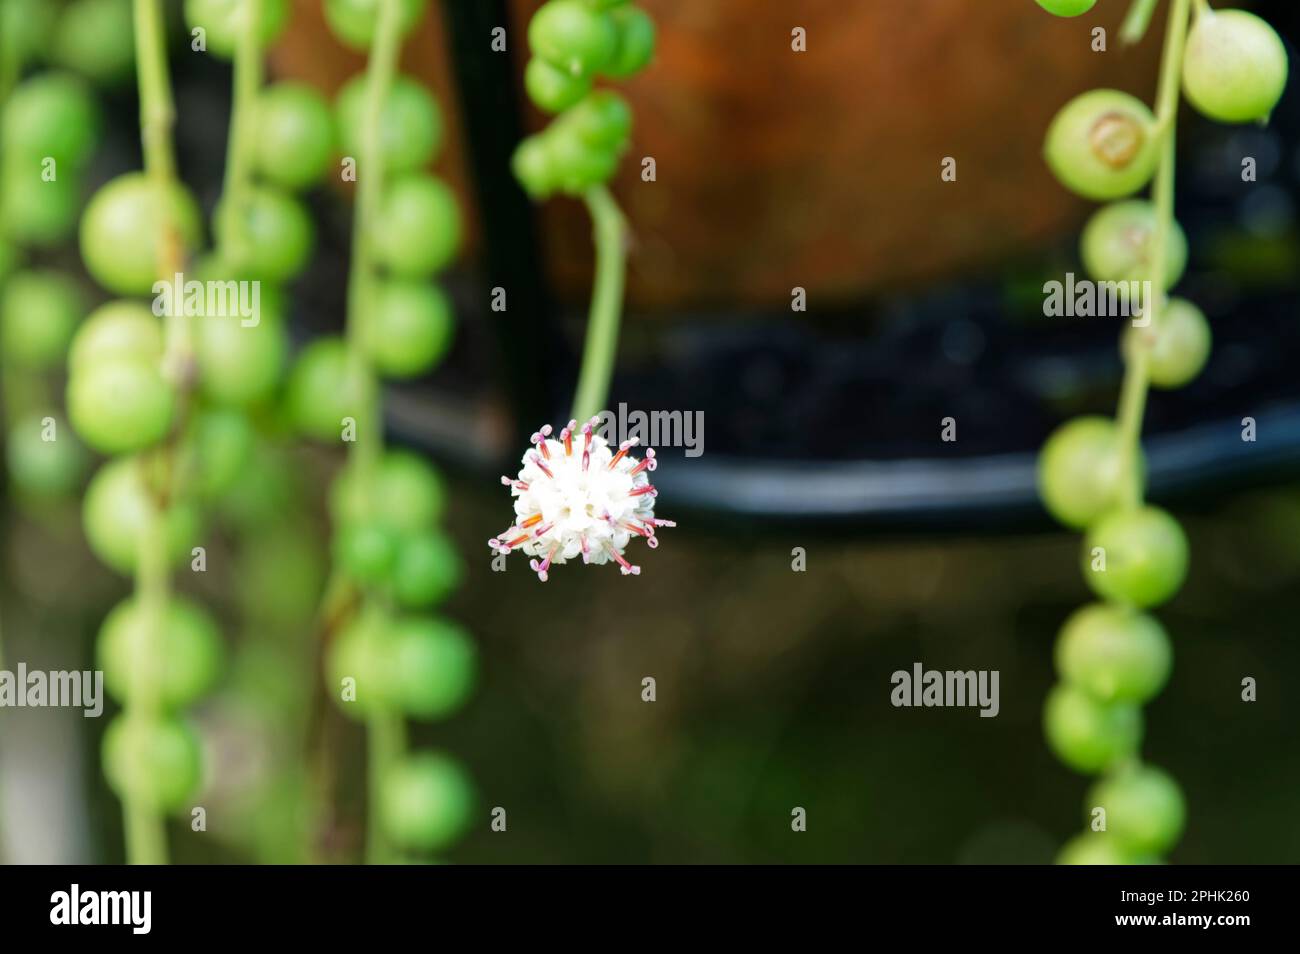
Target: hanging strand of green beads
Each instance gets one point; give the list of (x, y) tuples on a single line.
[(1112, 656), (391, 660), (125, 395), (573, 42), (50, 126)]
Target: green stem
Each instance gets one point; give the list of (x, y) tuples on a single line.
[(146, 840), (386, 733), (1135, 24), (1133, 394), (146, 837), (609, 231), (386, 738), (157, 116), (239, 152), (381, 68)]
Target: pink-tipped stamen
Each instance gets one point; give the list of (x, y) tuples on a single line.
[(541, 568), (643, 489), (539, 440), (623, 448), (648, 464), (644, 530), (627, 568), (538, 461), (586, 444)]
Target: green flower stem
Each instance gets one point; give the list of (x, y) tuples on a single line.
[(609, 231), (239, 155), (1135, 24), (385, 732), (1133, 395), (146, 841)]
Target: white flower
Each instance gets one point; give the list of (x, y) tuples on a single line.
[(576, 497)]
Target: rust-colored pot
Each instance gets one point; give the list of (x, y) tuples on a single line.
[(821, 168)]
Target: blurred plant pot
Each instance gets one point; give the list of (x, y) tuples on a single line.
[(823, 173)]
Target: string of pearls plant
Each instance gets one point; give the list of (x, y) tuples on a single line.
[(576, 496), (391, 658), (1113, 656), (129, 378), (50, 127), (573, 43), (50, 124)]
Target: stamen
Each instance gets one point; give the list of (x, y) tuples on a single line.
[(566, 435), (532, 521), (643, 489), (627, 568), (538, 461), (539, 440), (647, 531), (648, 464), (586, 443), (541, 568), (623, 448)]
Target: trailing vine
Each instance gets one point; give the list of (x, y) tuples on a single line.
[(1112, 655)]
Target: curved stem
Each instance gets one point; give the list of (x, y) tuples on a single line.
[(609, 231), (1133, 395)]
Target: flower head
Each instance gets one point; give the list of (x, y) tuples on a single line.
[(575, 496)]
